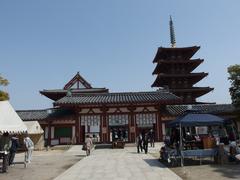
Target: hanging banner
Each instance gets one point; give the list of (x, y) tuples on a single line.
[(118, 120), (147, 119), (90, 120)]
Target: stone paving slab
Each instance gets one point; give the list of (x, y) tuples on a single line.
[(118, 164)]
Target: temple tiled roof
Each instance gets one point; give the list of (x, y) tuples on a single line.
[(43, 114), (120, 98), (56, 94), (175, 110), (81, 90), (206, 108)]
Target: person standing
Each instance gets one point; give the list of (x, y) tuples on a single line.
[(30, 146), (139, 143), (5, 142), (5, 145), (151, 137), (89, 144), (13, 149)]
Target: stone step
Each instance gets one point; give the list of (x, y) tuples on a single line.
[(103, 146)]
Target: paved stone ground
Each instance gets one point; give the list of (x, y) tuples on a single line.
[(118, 164), (45, 165), (208, 170)]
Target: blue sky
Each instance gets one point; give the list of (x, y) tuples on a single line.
[(112, 43)]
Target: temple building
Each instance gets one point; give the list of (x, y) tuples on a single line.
[(80, 109)]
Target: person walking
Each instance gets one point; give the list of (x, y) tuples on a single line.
[(145, 143), (89, 144), (13, 149), (151, 137), (139, 143), (30, 146)]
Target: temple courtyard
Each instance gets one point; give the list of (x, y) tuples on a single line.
[(71, 163)]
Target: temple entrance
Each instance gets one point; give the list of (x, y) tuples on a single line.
[(90, 126), (118, 127), (145, 122), (118, 133)]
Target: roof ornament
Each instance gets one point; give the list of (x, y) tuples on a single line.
[(172, 34), (49, 111), (69, 93)]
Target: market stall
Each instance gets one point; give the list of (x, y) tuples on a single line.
[(193, 135), (35, 133), (9, 120), (10, 123)]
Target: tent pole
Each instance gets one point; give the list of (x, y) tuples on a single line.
[(180, 127)]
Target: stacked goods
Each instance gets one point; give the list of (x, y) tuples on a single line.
[(209, 142)]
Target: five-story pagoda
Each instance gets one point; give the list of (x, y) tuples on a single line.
[(174, 70)]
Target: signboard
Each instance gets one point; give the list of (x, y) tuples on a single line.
[(132, 129), (104, 130), (202, 130)]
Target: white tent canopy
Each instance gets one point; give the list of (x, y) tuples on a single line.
[(9, 120), (33, 127)]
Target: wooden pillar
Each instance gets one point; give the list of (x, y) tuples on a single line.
[(77, 110), (77, 129), (104, 126), (81, 130), (132, 125), (159, 135), (130, 128)]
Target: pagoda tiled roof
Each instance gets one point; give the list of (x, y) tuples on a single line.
[(205, 108), (164, 66), (119, 98), (162, 78), (43, 114), (183, 75), (188, 52), (196, 91)]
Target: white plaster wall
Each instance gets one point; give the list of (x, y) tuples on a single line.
[(52, 132), (46, 133)]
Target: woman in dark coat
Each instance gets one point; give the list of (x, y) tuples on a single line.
[(13, 149), (145, 143)]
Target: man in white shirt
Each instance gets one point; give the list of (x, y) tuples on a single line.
[(30, 146)]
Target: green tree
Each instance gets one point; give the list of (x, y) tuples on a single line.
[(234, 77), (3, 95)]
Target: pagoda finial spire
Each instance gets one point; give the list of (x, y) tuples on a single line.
[(172, 34)]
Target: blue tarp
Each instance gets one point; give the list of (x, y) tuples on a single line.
[(199, 153), (196, 119)]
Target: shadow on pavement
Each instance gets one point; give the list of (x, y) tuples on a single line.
[(229, 171), (154, 163), (81, 156)]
